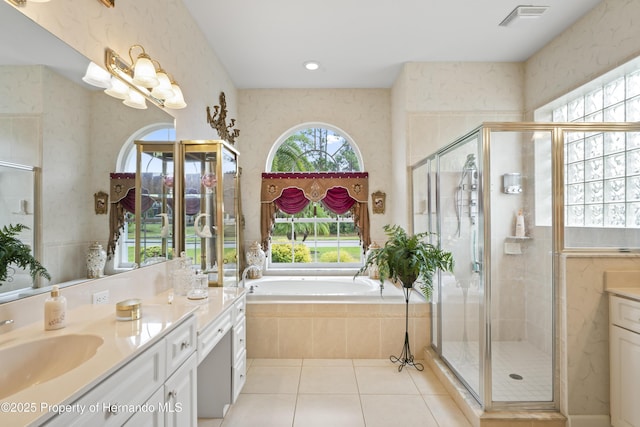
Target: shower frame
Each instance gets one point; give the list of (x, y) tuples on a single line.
[(557, 133)]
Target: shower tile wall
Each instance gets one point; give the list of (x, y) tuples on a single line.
[(521, 283)]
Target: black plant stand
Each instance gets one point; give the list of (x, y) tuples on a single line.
[(406, 358)]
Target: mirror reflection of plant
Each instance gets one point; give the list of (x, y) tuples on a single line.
[(408, 259), (15, 252)]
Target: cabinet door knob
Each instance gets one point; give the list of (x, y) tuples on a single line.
[(184, 344), (173, 394), (220, 330)]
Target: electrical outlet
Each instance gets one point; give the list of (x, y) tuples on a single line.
[(101, 297)]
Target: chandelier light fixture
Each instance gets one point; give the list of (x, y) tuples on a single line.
[(141, 79)]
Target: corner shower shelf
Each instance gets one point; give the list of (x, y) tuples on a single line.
[(518, 238)]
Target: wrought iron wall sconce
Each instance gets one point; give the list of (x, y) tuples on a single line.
[(218, 121), (143, 78)]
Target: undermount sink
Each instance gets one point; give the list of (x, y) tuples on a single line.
[(38, 361)]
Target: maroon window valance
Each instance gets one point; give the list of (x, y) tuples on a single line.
[(340, 192), (123, 199), (315, 184)]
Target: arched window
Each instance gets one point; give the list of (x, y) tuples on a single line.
[(124, 256), (314, 147), (318, 218)]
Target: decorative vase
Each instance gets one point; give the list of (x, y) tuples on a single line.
[(209, 181), (96, 259), (255, 257), (374, 271)]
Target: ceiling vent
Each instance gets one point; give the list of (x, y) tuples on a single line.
[(523, 12)]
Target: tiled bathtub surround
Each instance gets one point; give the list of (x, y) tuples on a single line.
[(334, 330)]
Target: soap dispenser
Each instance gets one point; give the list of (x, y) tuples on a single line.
[(55, 310)]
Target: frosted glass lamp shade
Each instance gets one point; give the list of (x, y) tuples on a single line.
[(164, 89), (97, 76), (118, 89), (144, 73), (135, 100), (177, 101)]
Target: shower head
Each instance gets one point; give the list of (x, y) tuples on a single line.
[(470, 163)]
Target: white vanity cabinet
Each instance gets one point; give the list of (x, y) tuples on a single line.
[(239, 346), (180, 395), (222, 361), (624, 342), (156, 388)]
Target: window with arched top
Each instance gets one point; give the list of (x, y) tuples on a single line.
[(315, 148), (124, 246), (314, 200)]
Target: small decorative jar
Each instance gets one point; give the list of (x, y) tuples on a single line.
[(183, 276), (255, 257), (374, 271), (96, 259)]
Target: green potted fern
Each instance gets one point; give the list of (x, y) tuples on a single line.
[(408, 259), (15, 252)]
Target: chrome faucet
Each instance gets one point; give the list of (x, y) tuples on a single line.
[(246, 270), (6, 322)]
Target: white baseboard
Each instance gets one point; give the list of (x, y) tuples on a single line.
[(588, 421)]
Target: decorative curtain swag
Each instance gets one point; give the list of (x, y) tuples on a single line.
[(340, 192)]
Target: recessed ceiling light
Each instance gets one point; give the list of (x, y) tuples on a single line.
[(311, 65), (523, 12)]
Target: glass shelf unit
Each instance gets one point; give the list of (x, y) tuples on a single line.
[(208, 208)]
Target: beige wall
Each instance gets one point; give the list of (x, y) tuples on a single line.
[(266, 115), (600, 41)]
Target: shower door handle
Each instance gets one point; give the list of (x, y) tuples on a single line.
[(476, 266)]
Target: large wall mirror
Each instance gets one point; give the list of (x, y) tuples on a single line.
[(73, 134)]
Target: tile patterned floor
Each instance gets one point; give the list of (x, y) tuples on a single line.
[(339, 393), (508, 357)]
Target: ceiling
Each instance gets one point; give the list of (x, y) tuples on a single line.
[(363, 43)]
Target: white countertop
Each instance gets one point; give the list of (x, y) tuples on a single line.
[(627, 292), (123, 340)]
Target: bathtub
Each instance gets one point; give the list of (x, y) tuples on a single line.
[(323, 288), (327, 317)]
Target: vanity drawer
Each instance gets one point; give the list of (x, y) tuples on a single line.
[(181, 342), (239, 339), (239, 375), (239, 309), (625, 313), (111, 399), (213, 333)]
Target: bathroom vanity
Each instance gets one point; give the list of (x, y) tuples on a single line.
[(624, 350), (180, 361)]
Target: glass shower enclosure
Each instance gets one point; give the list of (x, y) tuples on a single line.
[(493, 319)]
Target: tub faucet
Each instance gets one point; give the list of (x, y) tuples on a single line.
[(246, 270), (6, 322)]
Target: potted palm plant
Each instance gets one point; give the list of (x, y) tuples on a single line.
[(408, 259), (15, 252)]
